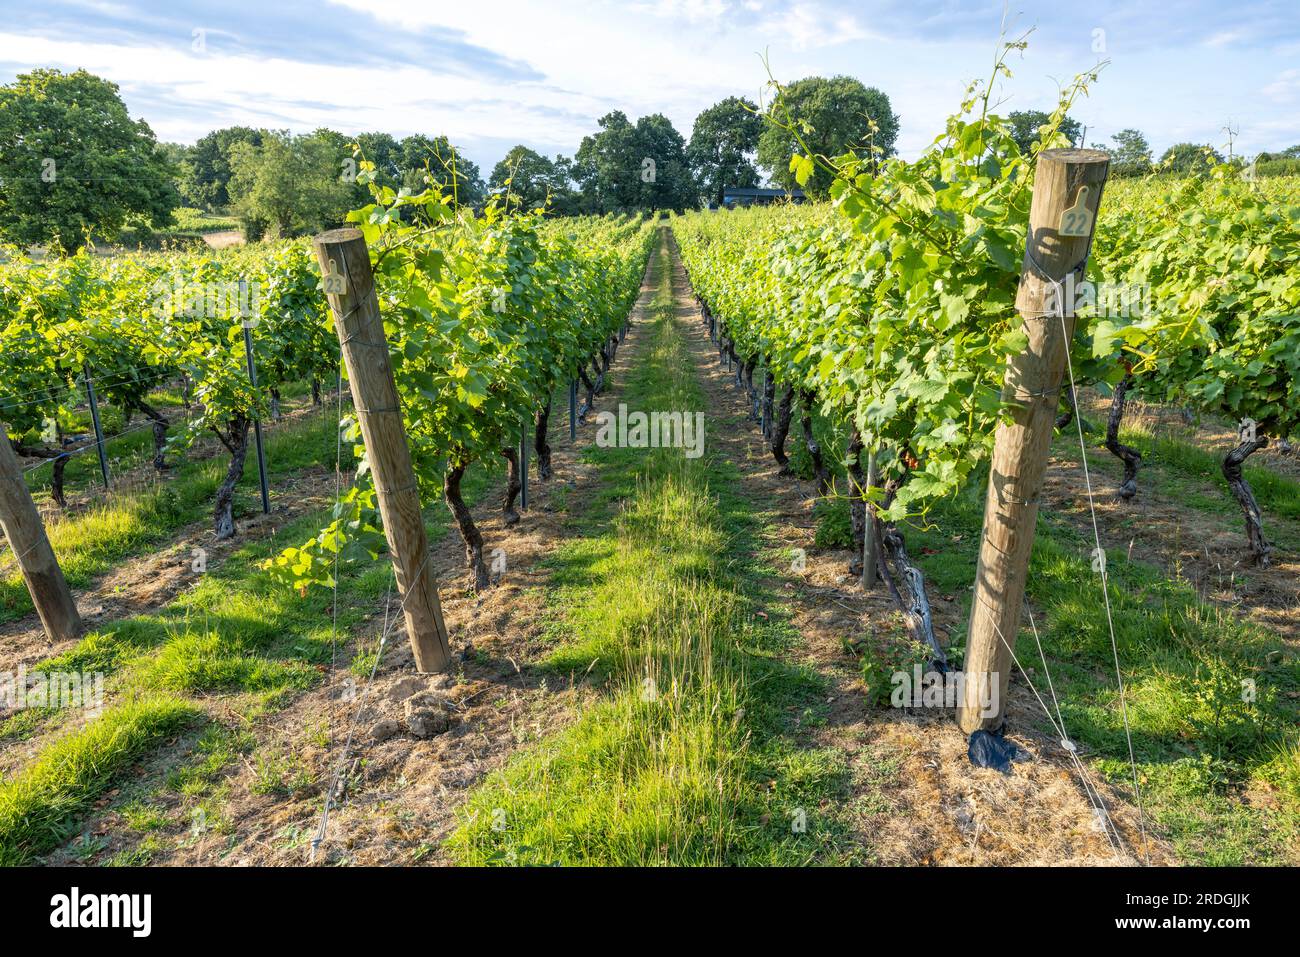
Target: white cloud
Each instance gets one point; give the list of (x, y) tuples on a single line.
[(692, 11), (1285, 89), (1225, 38), (671, 56), (810, 25)]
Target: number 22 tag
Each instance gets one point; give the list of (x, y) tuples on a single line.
[(1077, 220)]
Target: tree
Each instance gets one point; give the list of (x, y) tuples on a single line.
[(834, 116), (290, 184), (625, 167), (72, 161), (567, 202), (723, 140), (1291, 152), (664, 177), (1131, 155), (1189, 157), (437, 156), (206, 173), (607, 166), (1026, 124), (533, 180)]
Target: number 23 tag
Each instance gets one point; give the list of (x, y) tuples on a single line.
[(335, 284), (1077, 220)]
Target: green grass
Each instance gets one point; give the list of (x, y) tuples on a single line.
[(39, 807), (94, 540), (1197, 743), (692, 754), (233, 634)]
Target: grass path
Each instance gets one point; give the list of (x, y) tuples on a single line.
[(694, 753)]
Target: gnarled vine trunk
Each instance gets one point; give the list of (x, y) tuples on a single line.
[(747, 375), (892, 547), (1260, 549), (781, 429), (541, 428), (769, 400), (159, 422), (820, 472), (469, 532), (590, 400), (1131, 457), (1071, 408), (235, 439), (916, 608), (57, 480), (60, 457), (857, 498), (514, 484)]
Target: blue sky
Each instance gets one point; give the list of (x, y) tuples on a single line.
[(492, 74)]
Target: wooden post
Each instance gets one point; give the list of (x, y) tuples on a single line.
[(349, 284), (23, 528), (1067, 192)]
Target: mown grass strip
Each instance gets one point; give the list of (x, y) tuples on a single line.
[(691, 756), (39, 807)]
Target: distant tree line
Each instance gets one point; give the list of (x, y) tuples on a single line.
[(75, 165)]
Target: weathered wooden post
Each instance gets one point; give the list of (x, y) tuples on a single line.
[(350, 287), (22, 525), (1067, 192)]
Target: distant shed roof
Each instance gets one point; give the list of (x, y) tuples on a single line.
[(761, 192)]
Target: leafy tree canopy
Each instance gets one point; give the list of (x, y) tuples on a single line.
[(72, 162), (533, 181), (205, 173), (634, 167), (833, 116), (1025, 126), (1131, 154), (1188, 157), (289, 185), (723, 142), (437, 156)]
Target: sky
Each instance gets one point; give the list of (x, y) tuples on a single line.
[(542, 72)]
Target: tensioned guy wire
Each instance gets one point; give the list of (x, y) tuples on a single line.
[(1058, 306)]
